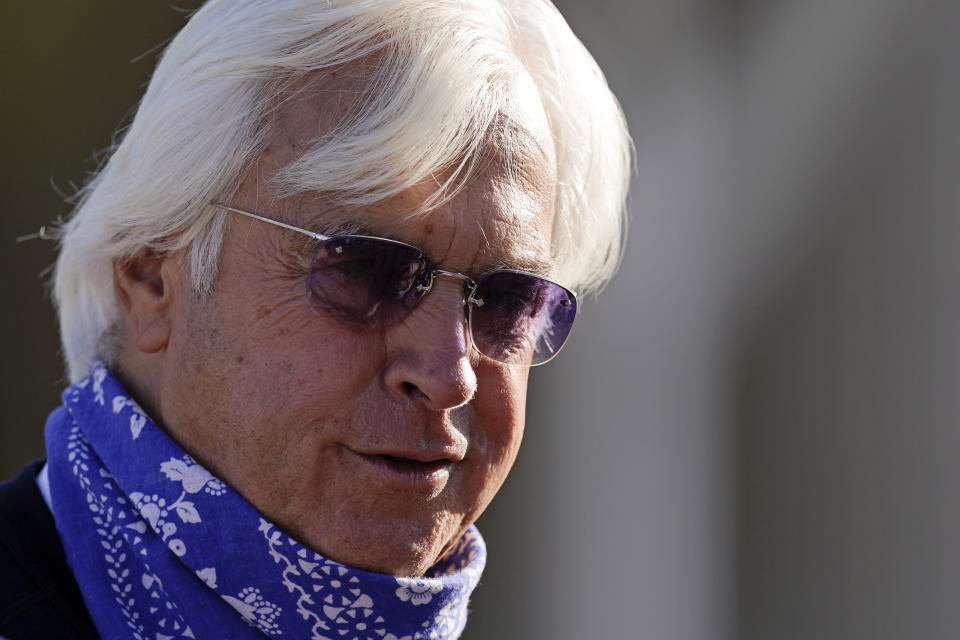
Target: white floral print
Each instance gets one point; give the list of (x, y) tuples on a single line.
[(418, 590), (209, 576), (193, 477), (257, 611)]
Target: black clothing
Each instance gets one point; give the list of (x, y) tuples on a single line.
[(39, 597)]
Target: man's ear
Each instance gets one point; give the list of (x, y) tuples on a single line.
[(143, 285)]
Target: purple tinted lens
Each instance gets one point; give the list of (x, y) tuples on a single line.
[(367, 282), (518, 318)]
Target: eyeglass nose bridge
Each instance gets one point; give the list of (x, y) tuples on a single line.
[(470, 285)]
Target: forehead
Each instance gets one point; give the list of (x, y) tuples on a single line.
[(486, 226), (500, 215)]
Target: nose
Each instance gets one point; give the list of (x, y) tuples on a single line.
[(429, 351)]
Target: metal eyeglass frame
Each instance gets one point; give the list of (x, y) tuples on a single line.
[(471, 284)]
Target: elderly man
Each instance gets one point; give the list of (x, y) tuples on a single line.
[(299, 305)]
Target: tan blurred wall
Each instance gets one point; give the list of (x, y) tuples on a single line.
[(848, 359)]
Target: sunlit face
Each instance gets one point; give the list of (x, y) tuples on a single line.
[(377, 448)]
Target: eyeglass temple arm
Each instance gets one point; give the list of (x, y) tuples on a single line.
[(312, 234)]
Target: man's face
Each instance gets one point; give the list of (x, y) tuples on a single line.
[(377, 448)]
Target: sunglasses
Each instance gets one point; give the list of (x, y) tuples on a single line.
[(367, 282)]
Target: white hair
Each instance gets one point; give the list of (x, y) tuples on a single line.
[(443, 71)]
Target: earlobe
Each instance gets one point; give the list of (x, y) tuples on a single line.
[(143, 287)]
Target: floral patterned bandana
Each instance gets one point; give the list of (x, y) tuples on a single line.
[(162, 549)]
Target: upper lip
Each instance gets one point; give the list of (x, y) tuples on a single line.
[(438, 440)]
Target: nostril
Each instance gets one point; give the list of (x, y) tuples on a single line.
[(409, 388)]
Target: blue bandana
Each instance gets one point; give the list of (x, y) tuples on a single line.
[(163, 549)]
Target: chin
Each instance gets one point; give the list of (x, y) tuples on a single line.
[(398, 549), (391, 558)]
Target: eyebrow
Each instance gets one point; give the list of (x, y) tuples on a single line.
[(529, 264)]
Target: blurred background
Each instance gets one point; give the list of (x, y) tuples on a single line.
[(754, 431)]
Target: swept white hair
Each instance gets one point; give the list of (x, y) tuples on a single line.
[(444, 69)]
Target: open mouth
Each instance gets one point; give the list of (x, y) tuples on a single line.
[(415, 473), (408, 465)]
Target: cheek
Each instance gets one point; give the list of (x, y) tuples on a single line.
[(261, 391), (275, 364), (500, 406)]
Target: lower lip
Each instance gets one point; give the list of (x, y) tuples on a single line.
[(412, 473)]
